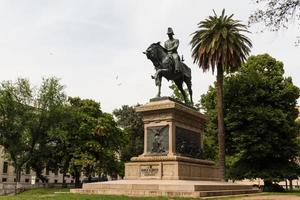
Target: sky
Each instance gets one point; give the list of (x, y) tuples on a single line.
[(95, 46)]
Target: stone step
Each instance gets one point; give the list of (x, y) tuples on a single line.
[(222, 187), (169, 187), (228, 192), (165, 192)]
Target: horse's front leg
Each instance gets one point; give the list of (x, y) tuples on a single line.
[(156, 74), (159, 91)]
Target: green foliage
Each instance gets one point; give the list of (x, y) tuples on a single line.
[(133, 128), (27, 117), (41, 128), (50, 102), (208, 104), (90, 140), (298, 126), (259, 120), (219, 41)]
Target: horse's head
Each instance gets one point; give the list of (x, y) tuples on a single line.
[(151, 51)]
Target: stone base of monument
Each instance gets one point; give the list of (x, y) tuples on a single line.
[(171, 164), (169, 188), (173, 144), (170, 168)]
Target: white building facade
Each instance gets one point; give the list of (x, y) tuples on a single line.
[(7, 174)]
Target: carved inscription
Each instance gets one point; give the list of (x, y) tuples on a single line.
[(150, 170)]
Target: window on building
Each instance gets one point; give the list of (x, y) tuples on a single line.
[(27, 180), (5, 167), (4, 179), (27, 169), (72, 181), (47, 181), (55, 181), (37, 180), (64, 181), (56, 172), (15, 180)]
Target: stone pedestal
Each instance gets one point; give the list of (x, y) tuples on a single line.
[(173, 144), (171, 164)]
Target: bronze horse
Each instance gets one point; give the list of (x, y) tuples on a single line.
[(164, 66)]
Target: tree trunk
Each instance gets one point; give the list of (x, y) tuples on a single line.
[(18, 175), (77, 179), (221, 135), (267, 185), (64, 185), (291, 183)]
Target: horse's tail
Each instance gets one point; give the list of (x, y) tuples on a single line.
[(187, 77)]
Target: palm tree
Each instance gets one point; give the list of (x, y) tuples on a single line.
[(219, 43)]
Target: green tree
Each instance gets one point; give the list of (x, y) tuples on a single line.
[(133, 127), (261, 132), (109, 140), (77, 129), (27, 117), (50, 103), (219, 43), (91, 140)]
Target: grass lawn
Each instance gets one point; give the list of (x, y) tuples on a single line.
[(62, 194)]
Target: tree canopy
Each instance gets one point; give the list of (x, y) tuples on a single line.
[(27, 116), (90, 140), (219, 41), (133, 127), (260, 112), (42, 128)]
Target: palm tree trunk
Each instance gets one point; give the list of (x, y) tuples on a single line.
[(221, 135)]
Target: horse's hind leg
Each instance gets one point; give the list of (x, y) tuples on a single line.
[(188, 82), (179, 86)]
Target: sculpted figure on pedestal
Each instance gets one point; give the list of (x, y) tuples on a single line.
[(167, 64)]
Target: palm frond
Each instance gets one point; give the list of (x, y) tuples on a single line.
[(219, 40)]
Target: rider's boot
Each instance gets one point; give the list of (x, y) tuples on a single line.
[(177, 67)]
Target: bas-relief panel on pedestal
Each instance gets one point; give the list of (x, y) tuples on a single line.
[(188, 143), (158, 140)]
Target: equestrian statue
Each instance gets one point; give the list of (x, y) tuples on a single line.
[(167, 64)]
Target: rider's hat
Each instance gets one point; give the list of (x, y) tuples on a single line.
[(170, 31)]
